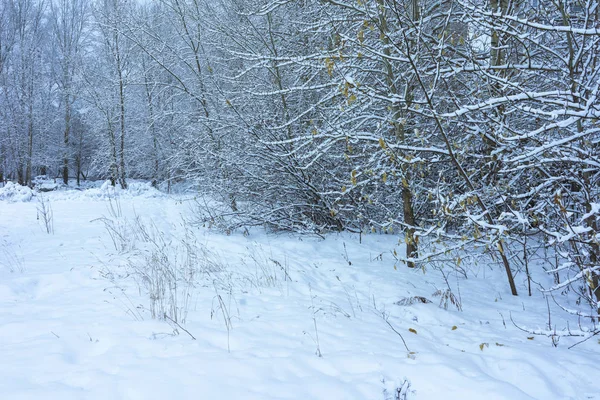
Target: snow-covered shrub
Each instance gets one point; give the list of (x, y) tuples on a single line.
[(143, 189), (14, 192), (42, 183)]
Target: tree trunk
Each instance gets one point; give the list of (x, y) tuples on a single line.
[(122, 174), (29, 159), (65, 170), (20, 174), (151, 123), (29, 149), (412, 249), (114, 166)]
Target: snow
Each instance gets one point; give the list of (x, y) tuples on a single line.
[(75, 324), (13, 192), (594, 211)]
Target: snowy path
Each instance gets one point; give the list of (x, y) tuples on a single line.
[(66, 333)]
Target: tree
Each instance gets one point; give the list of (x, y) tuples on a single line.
[(111, 17), (70, 25), (22, 45)]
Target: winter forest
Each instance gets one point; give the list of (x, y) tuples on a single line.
[(466, 131)]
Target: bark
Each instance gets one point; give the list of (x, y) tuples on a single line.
[(65, 170), (462, 173), (122, 174), (411, 240), (155, 153), (29, 145)]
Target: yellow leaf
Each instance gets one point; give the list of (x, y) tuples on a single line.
[(329, 64), (343, 189), (482, 345), (384, 177), (382, 143), (454, 327), (412, 330)]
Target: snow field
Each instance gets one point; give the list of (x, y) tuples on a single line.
[(76, 320)]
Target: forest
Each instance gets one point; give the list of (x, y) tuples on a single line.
[(469, 129)]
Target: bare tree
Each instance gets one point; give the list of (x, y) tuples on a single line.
[(70, 24), (111, 17)]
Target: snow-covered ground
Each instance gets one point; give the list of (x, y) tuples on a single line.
[(76, 315)]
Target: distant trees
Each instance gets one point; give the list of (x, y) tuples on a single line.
[(111, 18), (22, 45), (7, 40), (70, 22)]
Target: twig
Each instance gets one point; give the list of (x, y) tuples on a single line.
[(503, 322), (584, 340), (398, 333), (179, 326), (554, 335), (318, 352)]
